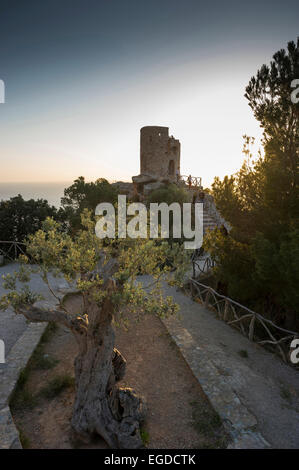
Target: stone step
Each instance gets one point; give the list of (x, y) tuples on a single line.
[(208, 222)]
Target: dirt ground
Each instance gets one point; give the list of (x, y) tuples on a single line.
[(179, 414)]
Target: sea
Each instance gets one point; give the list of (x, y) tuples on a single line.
[(52, 192)]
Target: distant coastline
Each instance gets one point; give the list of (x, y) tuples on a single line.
[(52, 192)]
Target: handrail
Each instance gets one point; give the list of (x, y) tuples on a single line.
[(208, 264), (195, 180), (244, 319)]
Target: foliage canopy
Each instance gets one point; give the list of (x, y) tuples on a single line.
[(259, 261)]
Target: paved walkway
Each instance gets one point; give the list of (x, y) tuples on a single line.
[(254, 392), (20, 338), (12, 326), (257, 396)]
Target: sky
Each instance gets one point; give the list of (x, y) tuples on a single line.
[(83, 76)]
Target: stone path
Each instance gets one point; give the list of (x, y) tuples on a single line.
[(20, 339), (257, 396), (254, 392), (12, 326)]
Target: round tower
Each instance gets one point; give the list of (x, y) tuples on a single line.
[(159, 153)]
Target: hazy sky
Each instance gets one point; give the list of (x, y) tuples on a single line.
[(83, 76)]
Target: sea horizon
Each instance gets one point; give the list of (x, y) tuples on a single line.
[(51, 191)]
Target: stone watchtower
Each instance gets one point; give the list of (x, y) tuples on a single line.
[(159, 153), (159, 158)]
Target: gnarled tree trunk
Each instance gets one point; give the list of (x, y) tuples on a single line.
[(101, 407)]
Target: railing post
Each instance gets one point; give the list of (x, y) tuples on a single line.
[(207, 298), (251, 328), (225, 310)]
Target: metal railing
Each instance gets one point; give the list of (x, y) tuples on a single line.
[(193, 181), (201, 265)]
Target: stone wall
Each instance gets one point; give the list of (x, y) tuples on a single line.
[(159, 153)]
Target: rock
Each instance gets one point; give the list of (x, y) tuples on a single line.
[(148, 188), (143, 179)]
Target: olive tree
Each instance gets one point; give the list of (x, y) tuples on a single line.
[(104, 291)]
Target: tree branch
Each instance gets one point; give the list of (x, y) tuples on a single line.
[(36, 315)]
